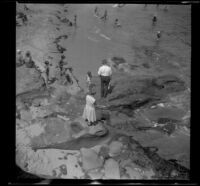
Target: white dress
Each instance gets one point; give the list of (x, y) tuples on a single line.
[(89, 110)]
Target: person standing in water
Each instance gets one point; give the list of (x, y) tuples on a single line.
[(154, 20), (75, 18), (116, 23), (89, 113), (158, 35), (96, 11), (105, 16)]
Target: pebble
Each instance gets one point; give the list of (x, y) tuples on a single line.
[(90, 159)]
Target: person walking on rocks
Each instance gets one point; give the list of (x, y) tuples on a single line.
[(61, 64), (45, 73), (28, 60), (105, 73), (19, 58), (89, 113), (47, 68)]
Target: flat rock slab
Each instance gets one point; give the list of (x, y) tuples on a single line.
[(27, 79), (90, 159), (55, 163), (112, 169)]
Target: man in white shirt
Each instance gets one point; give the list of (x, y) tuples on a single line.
[(105, 73)]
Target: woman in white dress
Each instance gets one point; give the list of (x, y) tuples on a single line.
[(89, 113)]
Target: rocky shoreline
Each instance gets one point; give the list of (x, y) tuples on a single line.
[(140, 119)]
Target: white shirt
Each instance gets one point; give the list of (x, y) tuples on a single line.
[(105, 70)]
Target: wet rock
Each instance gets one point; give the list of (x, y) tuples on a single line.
[(124, 163), (112, 169), (95, 174), (148, 174), (133, 173), (21, 123), (90, 159), (97, 149), (116, 120), (26, 115), (52, 162), (115, 148), (35, 130), (76, 127), (22, 138), (104, 152), (174, 173), (118, 60), (27, 79), (39, 112), (98, 130), (170, 83), (73, 167)]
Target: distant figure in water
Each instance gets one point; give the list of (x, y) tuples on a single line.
[(88, 80), (105, 16), (166, 8), (75, 18), (89, 113), (96, 11), (158, 35), (154, 20), (116, 23)]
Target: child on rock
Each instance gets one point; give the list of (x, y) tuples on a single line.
[(89, 113), (88, 80)]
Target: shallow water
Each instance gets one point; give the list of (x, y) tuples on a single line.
[(93, 40)]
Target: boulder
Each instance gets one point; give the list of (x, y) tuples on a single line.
[(98, 130), (133, 173), (96, 174), (26, 115), (115, 148), (111, 169), (90, 159), (148, 174)]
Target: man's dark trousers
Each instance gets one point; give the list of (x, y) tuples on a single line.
[(105, 80)]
